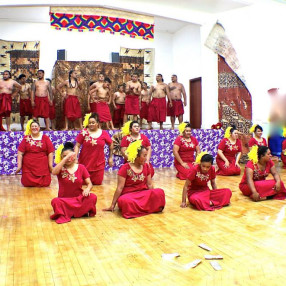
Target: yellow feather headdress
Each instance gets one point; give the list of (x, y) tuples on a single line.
[(86, 120), (199, 157), (251, 130), (126, 128), (132, 150), (227, 132), (253, 155), (284, 132), (58, 153), (182, 127), (28, 127)]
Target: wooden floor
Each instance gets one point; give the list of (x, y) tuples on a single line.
[(111, 250)]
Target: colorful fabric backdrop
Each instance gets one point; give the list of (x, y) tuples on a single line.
[(102, 21), (89, 71), (161, 141)]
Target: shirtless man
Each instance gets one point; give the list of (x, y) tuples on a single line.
[(52, 111), (132, 100), (41, 98), (145, 100), (8, 89), (25, 100), (176, 92), (118, 102), (158, 107), (102, 101), (71, 104)]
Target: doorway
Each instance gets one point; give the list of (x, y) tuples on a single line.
[(196, 102)]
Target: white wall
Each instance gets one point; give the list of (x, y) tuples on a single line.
[(258, 36), (187, 58)]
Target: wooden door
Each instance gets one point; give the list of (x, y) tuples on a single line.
[(196, 102)]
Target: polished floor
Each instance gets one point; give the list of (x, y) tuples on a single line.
[(110, 250)]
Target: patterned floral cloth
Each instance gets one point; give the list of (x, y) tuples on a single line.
[(161, 142)]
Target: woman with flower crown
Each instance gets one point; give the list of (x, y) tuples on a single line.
[(93, 139), (257, 139), (72, 200), (253, 183), (184, 148), (197, 190), (229, 153), (131, 133), (135, 194), (35, 157)]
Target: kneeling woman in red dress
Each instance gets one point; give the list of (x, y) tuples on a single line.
[(184, 148), (93, 139), (196, 186), (253, 183), (229, 153), (72, 200), (35, 157), (131, 132), (134, 193)]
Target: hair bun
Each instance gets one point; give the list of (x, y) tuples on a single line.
[(68, 145)]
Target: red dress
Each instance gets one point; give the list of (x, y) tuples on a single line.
[(70, 201), (186, 152), (92, 154), (72, 108), (157, 110), (126, 140), (42, 107), (283, 156), (253, 142), (200, 195), (263, 187), (132, 104), (35, 165), (136, 200), (229, 151), (5, 104)]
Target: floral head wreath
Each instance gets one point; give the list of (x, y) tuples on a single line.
[(182, 127), (86, 120), (227, 133), (58, 154), (199, 157), (28, 127), (132, 150), (253, 155), (284, 132), (126, 128), (251, 130)]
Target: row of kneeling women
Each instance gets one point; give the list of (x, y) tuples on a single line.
[(135, 194)]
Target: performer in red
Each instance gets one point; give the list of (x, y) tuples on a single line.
[(145, 100), (72, 200), (41, 98), (229, 153), (8, 90), (257, 139), (131, 132), (52, 110), (71, 108), (134, 193), (196, 186), (35, 157), (283, 153), (25, 100), (184, 148), (93, 139), (132, 100), (118, 101), (177, 91), (253, 183)]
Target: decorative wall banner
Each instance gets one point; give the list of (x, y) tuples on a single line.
[(73, 19)]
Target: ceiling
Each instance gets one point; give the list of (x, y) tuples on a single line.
[(170, 15)]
